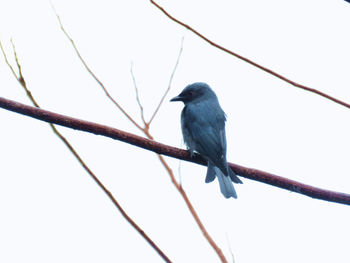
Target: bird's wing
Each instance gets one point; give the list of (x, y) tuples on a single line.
[(204, 131)]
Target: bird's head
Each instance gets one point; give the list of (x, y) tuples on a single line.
[(194, 92)]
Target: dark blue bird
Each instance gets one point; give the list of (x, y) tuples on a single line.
[(203, 130)]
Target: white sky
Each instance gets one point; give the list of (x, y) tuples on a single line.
[(51, 211)]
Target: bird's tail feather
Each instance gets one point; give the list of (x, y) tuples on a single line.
[(226, 185), (234, 177), (210, 173)]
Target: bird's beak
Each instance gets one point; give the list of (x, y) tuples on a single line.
[(177, 98)]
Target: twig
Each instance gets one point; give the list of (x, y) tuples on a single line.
[(7, 62), (21, 80), (170, 82), (193, 211), (170, 151), (230, 249), (137, 95), (92, 74), (20, 75), (295, 84)]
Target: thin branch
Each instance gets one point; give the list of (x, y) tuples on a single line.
[(145, 130), (7, 61), (170, 151), (21, 80), (295, 84), (170, 82), (20, 75), (92, 74), (137, 95), (193, 211), (230, 249)]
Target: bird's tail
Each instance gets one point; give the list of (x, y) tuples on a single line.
[(226, 185)]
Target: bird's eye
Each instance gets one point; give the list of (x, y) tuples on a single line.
[(190, 93)]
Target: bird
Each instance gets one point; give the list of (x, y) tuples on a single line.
[(203, 130)]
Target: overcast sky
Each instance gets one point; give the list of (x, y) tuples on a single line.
[(51, 210)]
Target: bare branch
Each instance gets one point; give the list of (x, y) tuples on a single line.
[(7, 61), (295, 84), (174, 152), (230, 249), (193, 211), (92, 74), (137, 96), (20, 77), (21, 80), (170, 82)]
